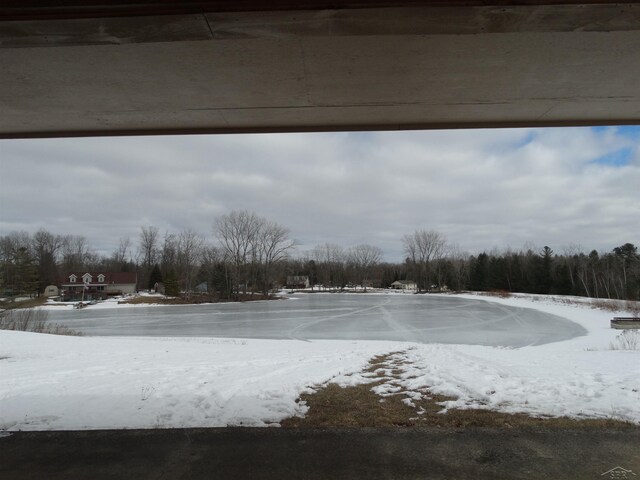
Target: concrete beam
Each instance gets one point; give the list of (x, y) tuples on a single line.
[(404, 67)]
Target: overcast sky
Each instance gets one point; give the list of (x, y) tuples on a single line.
[(482, 189)]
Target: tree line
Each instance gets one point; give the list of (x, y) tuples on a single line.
[(246, 253)]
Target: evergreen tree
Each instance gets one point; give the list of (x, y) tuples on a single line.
[(515, 273), (220, 281), (479, 273), (155, 277), (25, 279), (629, 261), (542, 272), (171, 284), (562, 283), (497, 274)]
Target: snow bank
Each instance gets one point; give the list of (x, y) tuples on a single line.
[(57, 383), (112, 302), (581, 377), (54, 382)]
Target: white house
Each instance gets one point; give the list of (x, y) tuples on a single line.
[(98, 285), (298, 281), (404, 285)]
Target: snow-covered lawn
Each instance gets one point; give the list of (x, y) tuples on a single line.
[(53, 382), (581, 377)]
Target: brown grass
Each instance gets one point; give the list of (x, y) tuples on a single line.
[(153, 301), (358, 406), (30, 303), (498, 293), (607, 305), (633, 308), (190, 300)]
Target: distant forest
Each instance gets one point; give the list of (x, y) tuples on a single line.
[(248, 253)]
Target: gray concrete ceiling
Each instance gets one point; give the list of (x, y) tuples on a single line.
[(419, 65)]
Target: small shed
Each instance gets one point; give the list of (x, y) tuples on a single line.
[(626, 323), (51, 291)]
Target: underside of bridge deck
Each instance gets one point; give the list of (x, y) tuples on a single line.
[(81, 68)]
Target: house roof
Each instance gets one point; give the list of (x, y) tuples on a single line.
[(109, 277)]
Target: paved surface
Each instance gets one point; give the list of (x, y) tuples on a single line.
[(320, 454), (416, 318)]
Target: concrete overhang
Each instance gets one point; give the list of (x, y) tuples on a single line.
[(85, 68)]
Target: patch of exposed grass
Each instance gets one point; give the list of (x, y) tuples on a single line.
[(497, 293), (190, 300), (633, 308), (359, 406), (331, 405), (356, 406), (606, 304), (151, 301), (28, 303), (380, 362)]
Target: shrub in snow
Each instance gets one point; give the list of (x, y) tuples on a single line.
[(24, 320), (627, 340), (31, 320), (633, 308)]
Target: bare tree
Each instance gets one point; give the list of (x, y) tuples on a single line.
[(148, 246), (330, 259), (571, 259), (169, 254), (422, 247), (237, 232), (459, 266), (46, 245), (147, 252), (120, 255), (363, 258), (274, 246), (46, 249), (13, 242), (19, 270), (75, 252), (215, 268), (189, 252)]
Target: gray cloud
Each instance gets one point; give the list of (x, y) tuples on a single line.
[(481, 188)]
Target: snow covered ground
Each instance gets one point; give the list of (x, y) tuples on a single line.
[(53, 382), (580, 378)]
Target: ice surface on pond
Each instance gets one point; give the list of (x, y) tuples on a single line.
[(415, 318)]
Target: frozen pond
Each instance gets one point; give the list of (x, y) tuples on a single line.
[(416, 318)]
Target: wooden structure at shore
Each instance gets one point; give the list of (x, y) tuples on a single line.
[(625, 323)]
